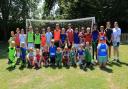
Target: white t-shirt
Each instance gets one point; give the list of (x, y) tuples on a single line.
[(116, 34), (22, 38)]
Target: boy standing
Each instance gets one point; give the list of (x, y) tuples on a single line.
[(57, 35), (76, 38), (37, 39), (48, 36), (70, 36), (116, 41), (30, 38), (95, 35), (43, 39), (63, 38)]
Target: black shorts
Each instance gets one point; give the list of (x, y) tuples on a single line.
[(56, 43), (70, 46), (37, 46), (109, 44)]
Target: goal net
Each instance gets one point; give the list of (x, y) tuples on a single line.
[(82, 22)]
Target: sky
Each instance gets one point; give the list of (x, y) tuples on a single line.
[(53, 10)]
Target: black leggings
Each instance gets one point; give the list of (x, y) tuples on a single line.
[(52, 59), (94, 49)]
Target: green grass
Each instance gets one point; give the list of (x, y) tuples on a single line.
[(74, 78)]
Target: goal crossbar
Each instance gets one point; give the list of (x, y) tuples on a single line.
[(59, 21)]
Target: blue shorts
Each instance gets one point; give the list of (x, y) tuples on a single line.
[(102, 59), (30, 45)]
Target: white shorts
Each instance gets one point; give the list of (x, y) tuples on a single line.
[(30, 45)]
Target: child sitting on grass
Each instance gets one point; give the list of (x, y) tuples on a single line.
[(12, 54), (88, 56), (102, 55), (72, 56), (80, 55), (65, 59), (30, 58), (37, 59), (59, 57), (45, 56)]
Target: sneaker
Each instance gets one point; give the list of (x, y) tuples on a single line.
[(114, 60), (118, 60)]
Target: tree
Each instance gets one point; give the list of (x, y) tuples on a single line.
[(16, 9), (103, 10)]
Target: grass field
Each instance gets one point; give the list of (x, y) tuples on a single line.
[(116, 77)]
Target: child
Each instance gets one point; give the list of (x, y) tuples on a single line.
[(52, 51), (45, 56), (43, 39), (23, 53), (88, 36), (109, 33), (48, 36), (102, 33), (88, 57), (80, 55), (37, 59), (65, 59), (72, 56), (30, 38), (18, 56), (59, 57), (70, 36), (17, 39), (12, 54), (57, 35), (12, 38), (37, 39), (17, 42), (30, 57), (95, 35), (116, 41), (63, 38), (22, 38), (102, 49), (76, 38), (81, 35)]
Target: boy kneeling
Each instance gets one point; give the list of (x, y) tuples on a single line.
[(102, 54), (12, 54)]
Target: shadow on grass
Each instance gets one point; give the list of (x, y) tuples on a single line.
[(119, 64), (10, 68), (22, 67), (109, 70)]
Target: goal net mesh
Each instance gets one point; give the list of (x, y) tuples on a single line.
[(83, 22)]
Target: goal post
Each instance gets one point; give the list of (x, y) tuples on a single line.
[(85, 22)]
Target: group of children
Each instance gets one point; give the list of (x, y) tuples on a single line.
[(59, 47)]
